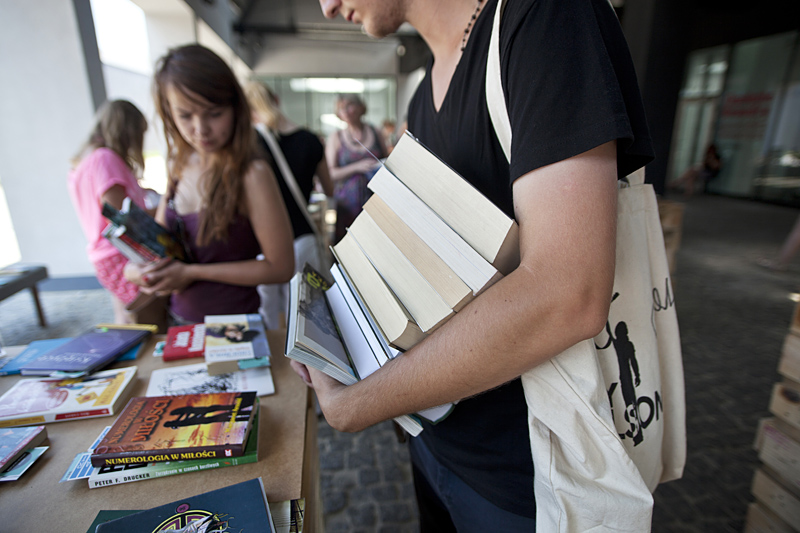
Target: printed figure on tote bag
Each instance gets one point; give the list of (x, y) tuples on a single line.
[(531, 444)]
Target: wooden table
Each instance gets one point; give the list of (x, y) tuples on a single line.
[(288, 460)]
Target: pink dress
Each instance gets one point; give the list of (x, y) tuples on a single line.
[(96, 174)]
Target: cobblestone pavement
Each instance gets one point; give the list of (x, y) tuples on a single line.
[(733, 317)]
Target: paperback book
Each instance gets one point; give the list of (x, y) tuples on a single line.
[(105, 476), (239, 507), (35, 401), (23, 463), (235, 342), (195, 379), (14, 442), (87, 352), (140, 233), (184, 342), (34, 350), (171, 428), (331, 310)]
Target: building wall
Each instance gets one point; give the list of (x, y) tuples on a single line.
[(47, 110)]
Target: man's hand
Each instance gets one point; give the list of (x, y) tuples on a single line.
[(330, 395)]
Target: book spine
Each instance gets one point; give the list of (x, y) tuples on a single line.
[(220, 452), (139, 248), (156, 470)]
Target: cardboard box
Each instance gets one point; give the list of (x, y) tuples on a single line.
[(785, 402), (762, 520), (776, 497)]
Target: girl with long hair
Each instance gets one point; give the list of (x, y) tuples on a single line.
[(221, 196), (106, 170)]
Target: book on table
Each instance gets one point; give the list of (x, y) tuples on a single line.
[(34, 401), (15, 440), (195, 379), (171, 428), (106, 476), (239, 507), (36, 348), (88, 352), (235, 342), (184, 342), (141, 234)]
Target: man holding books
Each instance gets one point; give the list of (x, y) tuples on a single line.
[(578, 125)]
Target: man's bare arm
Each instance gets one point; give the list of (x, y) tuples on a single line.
[(558, 296)]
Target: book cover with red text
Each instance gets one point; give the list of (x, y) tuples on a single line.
[(178, 428)]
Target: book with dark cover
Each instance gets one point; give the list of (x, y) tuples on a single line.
[(177, 428), (142, 229), (88, 352), (40, 400), (184, 342), (14, 442), (242, 507)]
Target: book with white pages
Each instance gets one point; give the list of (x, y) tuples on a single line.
[(486, 228), (467, 263), (362, 344), (427, 307), (195, 379), (361, 354), (341, 278), (312, 337)]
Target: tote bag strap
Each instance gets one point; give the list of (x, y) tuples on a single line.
[(496, 99), (288, 177)]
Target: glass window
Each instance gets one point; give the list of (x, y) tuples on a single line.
[(310, 102)]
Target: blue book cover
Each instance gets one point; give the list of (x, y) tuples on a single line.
[(241, 507), (33, 351), (86, 353)]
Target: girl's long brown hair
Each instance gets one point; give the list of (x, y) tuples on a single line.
[(197, 71), (119, 126)]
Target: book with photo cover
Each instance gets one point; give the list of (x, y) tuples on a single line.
[(172, 428), (35, 401), (235, 342), (240, 507), (87, 352)]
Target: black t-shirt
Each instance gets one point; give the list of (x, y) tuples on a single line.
[(303, 151), (570, 86)]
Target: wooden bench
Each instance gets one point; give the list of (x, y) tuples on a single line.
[(19, 276)]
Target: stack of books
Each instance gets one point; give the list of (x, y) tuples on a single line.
[(19, 449), (158, 429), (424, 246), (87, 353), (139, 237)]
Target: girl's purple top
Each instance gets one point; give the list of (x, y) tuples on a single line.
[(203, 298)]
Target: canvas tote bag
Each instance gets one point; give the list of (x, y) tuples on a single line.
[(607, 416)]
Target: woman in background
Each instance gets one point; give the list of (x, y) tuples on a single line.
[(106, 170), (221, 196), (305, 157), (351, 156)]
